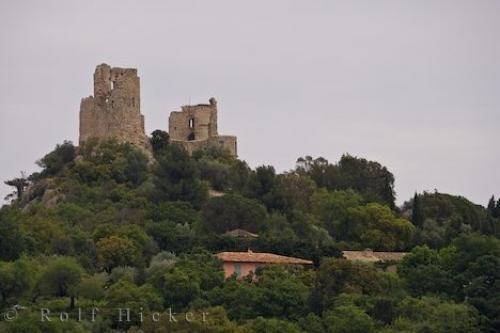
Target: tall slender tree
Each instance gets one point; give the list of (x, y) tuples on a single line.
[(417, 215)]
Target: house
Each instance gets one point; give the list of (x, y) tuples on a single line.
[(371, 256), (241, 233), (244, 263)]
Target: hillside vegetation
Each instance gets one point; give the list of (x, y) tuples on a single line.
[(102, 226)]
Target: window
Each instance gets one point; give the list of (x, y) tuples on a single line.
[(237, 270), (133, 101), (191, 137), (191, 123)]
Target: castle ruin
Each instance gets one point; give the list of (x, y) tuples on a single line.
[(114, 111), (195, 127)]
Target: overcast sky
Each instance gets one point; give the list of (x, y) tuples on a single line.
[(414, 85)]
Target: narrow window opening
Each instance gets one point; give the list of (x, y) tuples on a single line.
[(191, 137), (191, 123), (112, 85), (133, 101), (112, 104)]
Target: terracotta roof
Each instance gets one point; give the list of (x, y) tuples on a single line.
[(213, 193), (257, 257), (241, 233), (370, 256)]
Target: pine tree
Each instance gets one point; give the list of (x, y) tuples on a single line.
[(417, 216), (496, 211), (491, 205)]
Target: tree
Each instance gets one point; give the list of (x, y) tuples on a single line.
[(159, 141), (177, 178), (491, 205), (262, 325), (92, 287), (232, 211), (261, 182), (127, 295), (61, 278), (55, 161), (378, 228), (19, 183), (17, 278), (336, 276), (332, 210), (417, 217), (114, 251), (369, 178), (291, 191), (349, 319), (12, 242), (431, 314)]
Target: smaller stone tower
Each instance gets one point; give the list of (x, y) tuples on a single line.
[(195, 127), (114, 110)]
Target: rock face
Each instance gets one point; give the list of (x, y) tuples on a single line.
[(114, 110), (195, 127)]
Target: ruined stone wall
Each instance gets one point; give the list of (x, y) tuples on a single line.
[(195, 127), (114, 110), (194, 122)]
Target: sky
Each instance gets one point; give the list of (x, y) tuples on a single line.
[(414, 85)]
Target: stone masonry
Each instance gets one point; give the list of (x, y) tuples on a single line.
[(195, 127), (114, 111)]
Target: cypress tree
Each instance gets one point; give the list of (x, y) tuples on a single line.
[(417, 216)]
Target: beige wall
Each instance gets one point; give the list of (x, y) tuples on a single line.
[(114, 110), (245, 268)]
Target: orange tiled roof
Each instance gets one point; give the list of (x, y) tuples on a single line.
[(370, 256), (257, 257)]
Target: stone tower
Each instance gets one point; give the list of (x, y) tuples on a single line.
[(195, 127), (114, 110)]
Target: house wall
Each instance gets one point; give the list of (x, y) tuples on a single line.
[(245, 268)]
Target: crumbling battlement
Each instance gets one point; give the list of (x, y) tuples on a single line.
[(195, 127), (114, 110)]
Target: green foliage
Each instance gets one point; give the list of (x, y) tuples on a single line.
[(105, 226), (430, 314), (12, 242), (332, 211), (337, 276), (232, 211), (261, 325), (17, 278), (349, 319), (417, 214), (176, 178), (456, 214), (108, 160), (159, 141), (380, 229), (114, 251), (55, 161), (371, 179)]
